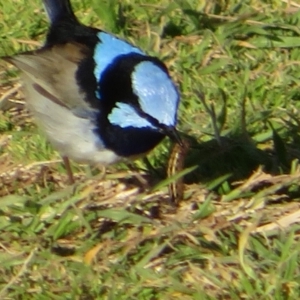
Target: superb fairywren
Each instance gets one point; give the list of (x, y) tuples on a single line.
[(98, 98)]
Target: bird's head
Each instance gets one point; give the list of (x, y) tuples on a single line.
[(134, 93), (140, 103)]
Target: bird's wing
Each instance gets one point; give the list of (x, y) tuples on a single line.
[(53, 73)]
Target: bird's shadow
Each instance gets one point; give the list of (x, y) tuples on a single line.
[(238, 157)]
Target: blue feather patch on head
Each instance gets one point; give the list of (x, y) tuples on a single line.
[(158, 97), (107, 50), (124, 115)]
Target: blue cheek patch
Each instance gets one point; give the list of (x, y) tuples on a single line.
[(124, 115), (157, 94), (108, 49)]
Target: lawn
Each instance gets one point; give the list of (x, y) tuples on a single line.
[(115, 235)]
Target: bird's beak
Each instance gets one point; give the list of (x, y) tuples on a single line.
[(173, 134)]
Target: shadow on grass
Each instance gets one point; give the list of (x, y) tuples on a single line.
[(239, 157)]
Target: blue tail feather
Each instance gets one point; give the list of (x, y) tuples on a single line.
[(58, 10)]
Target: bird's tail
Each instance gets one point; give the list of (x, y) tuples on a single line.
[(58, 10)]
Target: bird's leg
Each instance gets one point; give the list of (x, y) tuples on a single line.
[(68, 169), (102, 170)]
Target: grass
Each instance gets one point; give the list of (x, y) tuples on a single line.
[(235, 235)]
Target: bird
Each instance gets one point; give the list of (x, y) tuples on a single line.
[(98, 98)]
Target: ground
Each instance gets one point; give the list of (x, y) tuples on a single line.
[(115, 235)]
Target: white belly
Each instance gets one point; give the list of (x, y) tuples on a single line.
[(69, 134)]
